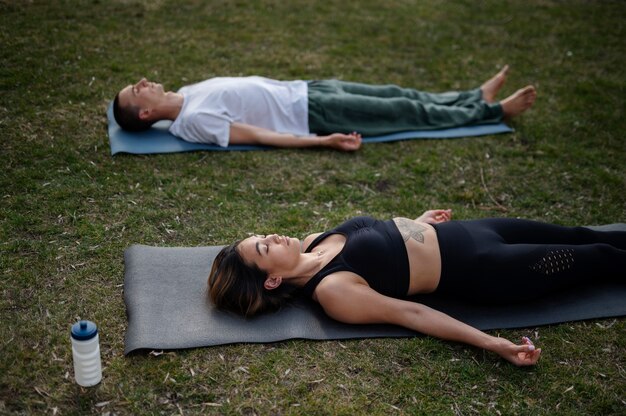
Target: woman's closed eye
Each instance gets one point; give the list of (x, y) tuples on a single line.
[(262, 247)]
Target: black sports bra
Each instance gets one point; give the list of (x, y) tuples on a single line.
[(374, 250)]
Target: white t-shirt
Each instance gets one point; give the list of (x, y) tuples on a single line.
[(209, 107)]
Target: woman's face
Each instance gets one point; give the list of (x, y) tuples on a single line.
[(275, 254)]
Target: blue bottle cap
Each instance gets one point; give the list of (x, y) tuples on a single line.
[(84, 330)]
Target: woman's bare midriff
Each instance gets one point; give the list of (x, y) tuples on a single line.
[(424, 256)]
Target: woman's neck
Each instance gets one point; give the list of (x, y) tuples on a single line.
[(310, 264)]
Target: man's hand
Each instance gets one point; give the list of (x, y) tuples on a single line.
[(339, 141)]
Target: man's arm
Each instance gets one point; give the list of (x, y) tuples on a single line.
[(247, 134)]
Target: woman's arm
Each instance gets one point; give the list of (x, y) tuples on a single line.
[(247, 134), (435, 216), (348, 301)]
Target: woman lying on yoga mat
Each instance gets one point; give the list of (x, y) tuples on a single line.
[(256, 110), (361, 271)]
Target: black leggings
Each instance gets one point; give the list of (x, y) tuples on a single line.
[(502, 260)]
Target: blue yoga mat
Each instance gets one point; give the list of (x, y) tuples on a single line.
[(158, 139)]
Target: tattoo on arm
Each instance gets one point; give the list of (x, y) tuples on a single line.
[(409, 229)]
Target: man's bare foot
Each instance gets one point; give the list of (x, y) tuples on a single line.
[(519, 102), (491, 87)]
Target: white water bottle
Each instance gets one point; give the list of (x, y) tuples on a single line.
[(86, 353)]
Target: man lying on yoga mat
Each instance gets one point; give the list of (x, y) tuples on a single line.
[(362, 271), (261, 111)]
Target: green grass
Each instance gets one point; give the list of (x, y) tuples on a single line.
[(68, 209)]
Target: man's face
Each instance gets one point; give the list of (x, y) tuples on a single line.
[(144, 94)]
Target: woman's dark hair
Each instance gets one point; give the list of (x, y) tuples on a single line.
[(128, 117), (238, 287)]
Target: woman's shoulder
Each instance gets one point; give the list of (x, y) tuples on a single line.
[(336, 283), (346, 228), (308, 240)]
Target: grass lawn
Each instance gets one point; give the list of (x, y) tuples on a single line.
[(68, 209)]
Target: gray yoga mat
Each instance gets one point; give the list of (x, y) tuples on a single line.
[(165, 295)]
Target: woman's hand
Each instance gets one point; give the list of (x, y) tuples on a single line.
[(346, 142), (523, 354), (435, 216)]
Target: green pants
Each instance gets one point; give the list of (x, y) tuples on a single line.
[(372, 110)]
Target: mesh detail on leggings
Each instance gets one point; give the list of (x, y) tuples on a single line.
[(554, 261)]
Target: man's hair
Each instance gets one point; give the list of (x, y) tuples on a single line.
[(128, 117)]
